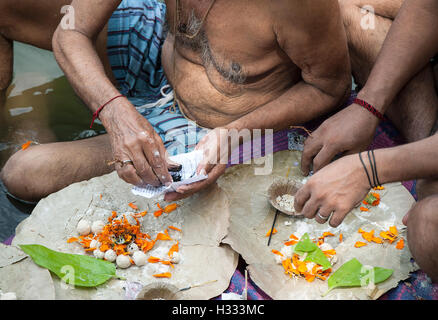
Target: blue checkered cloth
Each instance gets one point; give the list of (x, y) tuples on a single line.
[(135, 39)]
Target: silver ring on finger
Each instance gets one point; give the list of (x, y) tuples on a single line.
[(126, 162), (321, 217)]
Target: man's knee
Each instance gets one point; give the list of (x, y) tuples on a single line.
[(422, 235), (20, 175)]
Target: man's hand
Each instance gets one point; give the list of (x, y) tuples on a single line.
[(348, 131), (133, 138), (216, 149), (336, 189), (190, 189)]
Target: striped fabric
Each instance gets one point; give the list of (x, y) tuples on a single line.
[(135, 38)]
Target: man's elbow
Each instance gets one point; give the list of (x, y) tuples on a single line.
[(344, 91), (58, 40), (341, 92)]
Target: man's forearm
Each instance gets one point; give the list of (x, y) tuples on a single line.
[(411, 42), (404, 163), (83, 68), (298, 105)]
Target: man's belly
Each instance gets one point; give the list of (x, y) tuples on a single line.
[(212, 101)]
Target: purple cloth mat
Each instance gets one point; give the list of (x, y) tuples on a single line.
[(418, 286)]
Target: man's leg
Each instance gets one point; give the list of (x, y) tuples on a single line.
[(422, 223), (414, 112), (40, 170), (6, 58)]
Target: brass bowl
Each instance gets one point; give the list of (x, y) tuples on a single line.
[(281, 187), (159, 291)]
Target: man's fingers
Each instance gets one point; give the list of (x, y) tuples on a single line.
[(323, 158), (190, 189), (129, 174), (325, 213), (310, 209), (143, 169), (337, 217), (157, 160), (302, 195), (311, 148)]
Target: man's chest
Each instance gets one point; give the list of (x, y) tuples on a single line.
[(234, 38)]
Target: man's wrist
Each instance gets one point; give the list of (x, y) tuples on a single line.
[(114, 107), (376, 98)]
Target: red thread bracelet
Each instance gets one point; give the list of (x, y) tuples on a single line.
[(96, 114), (369, 107)]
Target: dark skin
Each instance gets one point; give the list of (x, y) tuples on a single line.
[(335, 189), (393, 70), (281, 48)]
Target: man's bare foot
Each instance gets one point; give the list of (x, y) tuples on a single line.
[(422, 223)]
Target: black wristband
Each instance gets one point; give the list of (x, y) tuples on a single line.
[(366, 171), (375, 168), (372, 169)]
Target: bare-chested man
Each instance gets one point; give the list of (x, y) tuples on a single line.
[(235, 64)]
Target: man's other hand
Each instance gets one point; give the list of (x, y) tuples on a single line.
[(349, 131)]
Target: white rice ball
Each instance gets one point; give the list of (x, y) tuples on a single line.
[(123, 261), (94, 244), (139, 258), (97, 226), (83, 227), (132, 247), (110, 255), (176, 258), (98, 254)]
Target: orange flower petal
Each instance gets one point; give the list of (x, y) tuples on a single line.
[(341, 237), (277, 252), (377, 240), (158, 213), (175, 228), (152, 259), (364, 209), (174, 248), (72, 239), (167, 263), (393, 230), (163, 275), (400, 244), (292, 236), (133, 206), (162, 236), (26, 145), (274, 231), (359, 244), (290, 243), (169, 208), (330, 252), (309, 277), (327, 234)]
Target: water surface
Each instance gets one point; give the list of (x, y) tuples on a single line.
[(40, 106)]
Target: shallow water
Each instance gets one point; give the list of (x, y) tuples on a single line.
[(40, 106)]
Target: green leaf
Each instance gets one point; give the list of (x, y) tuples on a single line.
[(354, 274), (314, 253), (318, 257), (75, 269), (305, 244), (370, 198)]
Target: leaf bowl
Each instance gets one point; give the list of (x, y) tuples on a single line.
[(281, 187), (159, 291)]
